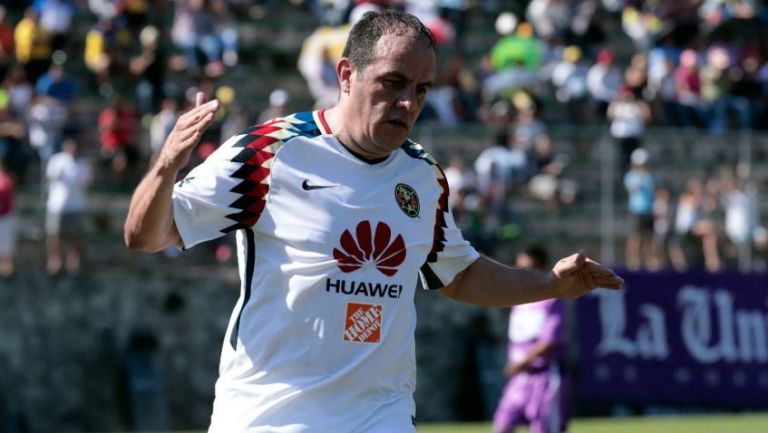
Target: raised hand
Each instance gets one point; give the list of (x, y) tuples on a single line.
[(187, 132), (577, 275)]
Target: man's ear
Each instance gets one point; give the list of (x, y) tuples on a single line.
[(345, 70)]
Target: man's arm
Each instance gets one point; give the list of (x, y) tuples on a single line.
[(490, 283), (149, 226)]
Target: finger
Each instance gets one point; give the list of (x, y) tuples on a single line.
[(579, 259), (198, 122), (567, 266), (590, 260), (184, 136), (199, 99), (194, 130), (196, 113), (609, 282)]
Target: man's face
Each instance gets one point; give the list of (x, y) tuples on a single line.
[(524, 261), (389, 94)]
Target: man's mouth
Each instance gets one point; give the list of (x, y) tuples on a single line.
[(400, 123)]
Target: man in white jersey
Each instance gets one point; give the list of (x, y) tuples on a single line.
[(337, 214)]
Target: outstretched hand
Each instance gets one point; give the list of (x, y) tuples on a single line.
[(187, 131), (577, 275)]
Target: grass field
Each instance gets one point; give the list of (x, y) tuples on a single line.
[(752, 423), (668, 424)]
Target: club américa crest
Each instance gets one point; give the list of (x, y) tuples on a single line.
[(407, 199)]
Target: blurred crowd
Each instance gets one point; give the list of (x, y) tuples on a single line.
[(628, 65)]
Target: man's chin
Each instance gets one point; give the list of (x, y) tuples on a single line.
[(393, 141)]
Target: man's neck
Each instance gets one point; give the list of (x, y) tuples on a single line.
[(334, 117)]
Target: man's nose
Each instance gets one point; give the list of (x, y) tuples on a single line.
[(407, 99)]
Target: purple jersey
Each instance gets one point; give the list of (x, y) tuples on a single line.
[(533, 323), (537, 397)]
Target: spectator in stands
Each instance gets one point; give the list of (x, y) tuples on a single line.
[(688, 85), (8, 223), (118, 125), (569, 79), (547, 183), (636, 75), (628, 115), (738, 201), (463, 86), (695, 228), (537, 392), (18, 89), (662, 88), (516, 60), (12, 150), (527, 128), (56, 19), (319, 54), (6, 42), (102, 53), (194, 35), (46, 118), (32, 45), (226, 31), (604, 79), (147, 68), (641, 25), (518, 46), (57, 84), (69, 176), (745, 91), (105, 9), (715, 88), (641, 190), (494, 167), (550, 18)]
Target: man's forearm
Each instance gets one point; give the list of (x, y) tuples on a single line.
[(149, 226), (489, 283)]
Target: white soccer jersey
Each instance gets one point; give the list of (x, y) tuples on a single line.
[(329, 249)]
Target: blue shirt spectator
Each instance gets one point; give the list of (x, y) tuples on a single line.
[(56, 84)]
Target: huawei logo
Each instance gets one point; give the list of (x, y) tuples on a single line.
[(369, 246)]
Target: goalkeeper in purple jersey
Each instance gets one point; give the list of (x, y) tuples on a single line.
[(536, 393)]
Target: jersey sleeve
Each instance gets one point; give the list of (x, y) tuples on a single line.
[(210, 200), (553, 330), (451, 253)]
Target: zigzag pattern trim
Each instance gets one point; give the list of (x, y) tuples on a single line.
[(415, 150), (259, 145)]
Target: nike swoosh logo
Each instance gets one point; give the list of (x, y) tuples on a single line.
[(307, 187)]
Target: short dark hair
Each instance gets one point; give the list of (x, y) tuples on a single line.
[(538, 255), (364, 35)]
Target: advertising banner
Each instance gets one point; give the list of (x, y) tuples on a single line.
[(676, 338)]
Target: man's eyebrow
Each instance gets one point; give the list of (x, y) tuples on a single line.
[(394, 74), (402, 77)]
